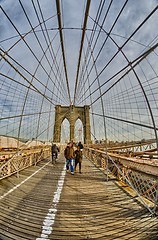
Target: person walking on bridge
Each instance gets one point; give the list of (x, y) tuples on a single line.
[(69, 155), (54, 150), (78, 158), (80, 145)]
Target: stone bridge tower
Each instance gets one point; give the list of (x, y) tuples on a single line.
[(72, 113)]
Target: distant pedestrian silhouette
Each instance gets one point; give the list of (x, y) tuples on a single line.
[(55, 150)]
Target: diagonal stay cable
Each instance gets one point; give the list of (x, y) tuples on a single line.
[(89, 48), (48, 42), (94, 29), (120, 51), (54, 57), (33, 75), (29, 21), (31, 84), (25, 42), (102, 46), (62, 45), (24, 115), (28, 81), (151, 49), (139, 59), (12, 79), (23, 35), (124, 120), (143, 56), (81, 46)]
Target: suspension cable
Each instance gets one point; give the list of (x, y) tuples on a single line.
[(81, 46), (62, 45)]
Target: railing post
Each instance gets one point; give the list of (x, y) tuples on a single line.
[(17, 174), (107, 168), (8, 168), (17, 165), (156, 197), (35, 159), (31, 159)]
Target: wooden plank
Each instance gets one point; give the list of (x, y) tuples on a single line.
[(89, 206)]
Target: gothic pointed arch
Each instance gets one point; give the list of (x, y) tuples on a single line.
[(72, 113)]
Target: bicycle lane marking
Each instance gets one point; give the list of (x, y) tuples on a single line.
[(18, 185)]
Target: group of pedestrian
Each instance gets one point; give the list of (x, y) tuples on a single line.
[(71, 155)]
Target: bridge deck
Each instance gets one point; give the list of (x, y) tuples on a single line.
[(46, 203)]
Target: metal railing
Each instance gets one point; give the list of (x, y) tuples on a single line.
[(23, 159), (141, 175)]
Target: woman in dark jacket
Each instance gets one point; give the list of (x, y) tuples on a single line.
[(78, 158)]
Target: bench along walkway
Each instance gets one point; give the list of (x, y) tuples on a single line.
[(45, 202)]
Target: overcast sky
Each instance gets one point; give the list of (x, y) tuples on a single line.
[(33, 75)]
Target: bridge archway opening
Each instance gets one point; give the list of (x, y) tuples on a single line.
[(72, 114), (78, 136), (65, 131)]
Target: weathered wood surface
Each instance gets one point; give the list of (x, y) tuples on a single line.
[(89, 206)]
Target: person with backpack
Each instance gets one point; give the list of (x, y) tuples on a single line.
[(78, 158), (54, 150), (69, 155), (80, 145)]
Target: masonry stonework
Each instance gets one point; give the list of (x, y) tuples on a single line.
[(72, 113)]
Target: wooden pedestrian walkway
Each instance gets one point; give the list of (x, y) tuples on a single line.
[(46, 202)]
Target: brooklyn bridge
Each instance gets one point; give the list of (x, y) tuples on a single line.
[(79, 71)]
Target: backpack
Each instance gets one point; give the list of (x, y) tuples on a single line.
[(66, 152), (54, 148)]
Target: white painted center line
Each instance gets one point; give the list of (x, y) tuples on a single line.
[(49, 220)]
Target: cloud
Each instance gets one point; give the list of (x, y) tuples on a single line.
[(38, 58)]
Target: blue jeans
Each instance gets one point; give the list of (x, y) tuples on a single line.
[(69, 162)]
